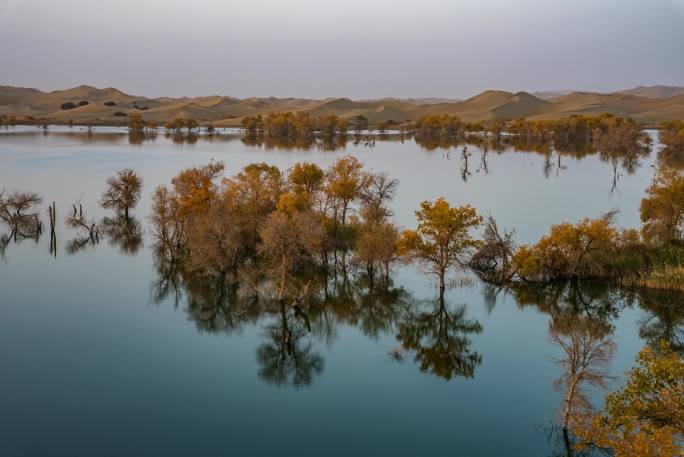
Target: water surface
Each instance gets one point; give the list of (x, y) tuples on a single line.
[(97, 360)]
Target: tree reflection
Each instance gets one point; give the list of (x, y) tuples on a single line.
[(439, 338), (664, 320), (287, 356), (126, 234), (587, 351), (15, 211), (87, 231), (168, 281), (595, 300)]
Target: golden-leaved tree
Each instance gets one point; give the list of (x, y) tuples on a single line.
[(646, 417), (442, 239), (662, 210)]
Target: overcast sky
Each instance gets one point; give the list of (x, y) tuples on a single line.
[(349, 48)]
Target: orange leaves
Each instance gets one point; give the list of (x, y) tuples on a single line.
[(195, 188), (442, 237), (646, 417), (570, 250), (662, 210)]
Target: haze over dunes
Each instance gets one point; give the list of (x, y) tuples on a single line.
[(86, 104)]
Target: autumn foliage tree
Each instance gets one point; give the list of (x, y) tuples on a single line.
[(569, 251), (287, 240), (646, 417), (195, 188), (136, 123), (443, 238), (672, 135), (662, 210)]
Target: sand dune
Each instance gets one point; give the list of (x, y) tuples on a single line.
[(645, 104), (655, 91)]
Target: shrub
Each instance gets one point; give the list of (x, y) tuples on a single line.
[(83, 103), (110, 103), (120, 113), (67, 105)]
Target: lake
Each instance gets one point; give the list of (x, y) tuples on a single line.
[(99, 357)]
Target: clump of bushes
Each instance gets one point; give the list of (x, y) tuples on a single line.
[(110, 103), (120, 113), (72, 105)]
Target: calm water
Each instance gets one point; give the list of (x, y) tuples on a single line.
[(95, 361)]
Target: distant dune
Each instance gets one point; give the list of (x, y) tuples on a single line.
[(86, 104), (655, 91)]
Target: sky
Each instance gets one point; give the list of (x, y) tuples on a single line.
[(352, 48)]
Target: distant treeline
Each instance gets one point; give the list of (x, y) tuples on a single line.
[(290, 125)]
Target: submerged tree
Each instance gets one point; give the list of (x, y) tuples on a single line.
[(123, 192), (15, 211), (442, 239), (287, 240), (195, 188), (493, 260), (88, 232), (570, 251)]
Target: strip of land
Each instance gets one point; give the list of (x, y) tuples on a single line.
[(110, 106)]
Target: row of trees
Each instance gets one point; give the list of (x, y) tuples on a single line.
[(179, 123), (289, 125), (606, 132), (7, 120), (445, 126)]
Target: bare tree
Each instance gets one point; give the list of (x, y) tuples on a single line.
[(88, 231), (14, 209), (492, 261), (123, 191)]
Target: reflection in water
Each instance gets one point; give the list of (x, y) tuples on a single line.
[(87, 231), (598, 301), (664, 320), (123, 233), (226, 303), (302, 143), (179, 137), (138, 136), (439, 338), (15, 212), (587, 353), (287, 356)]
